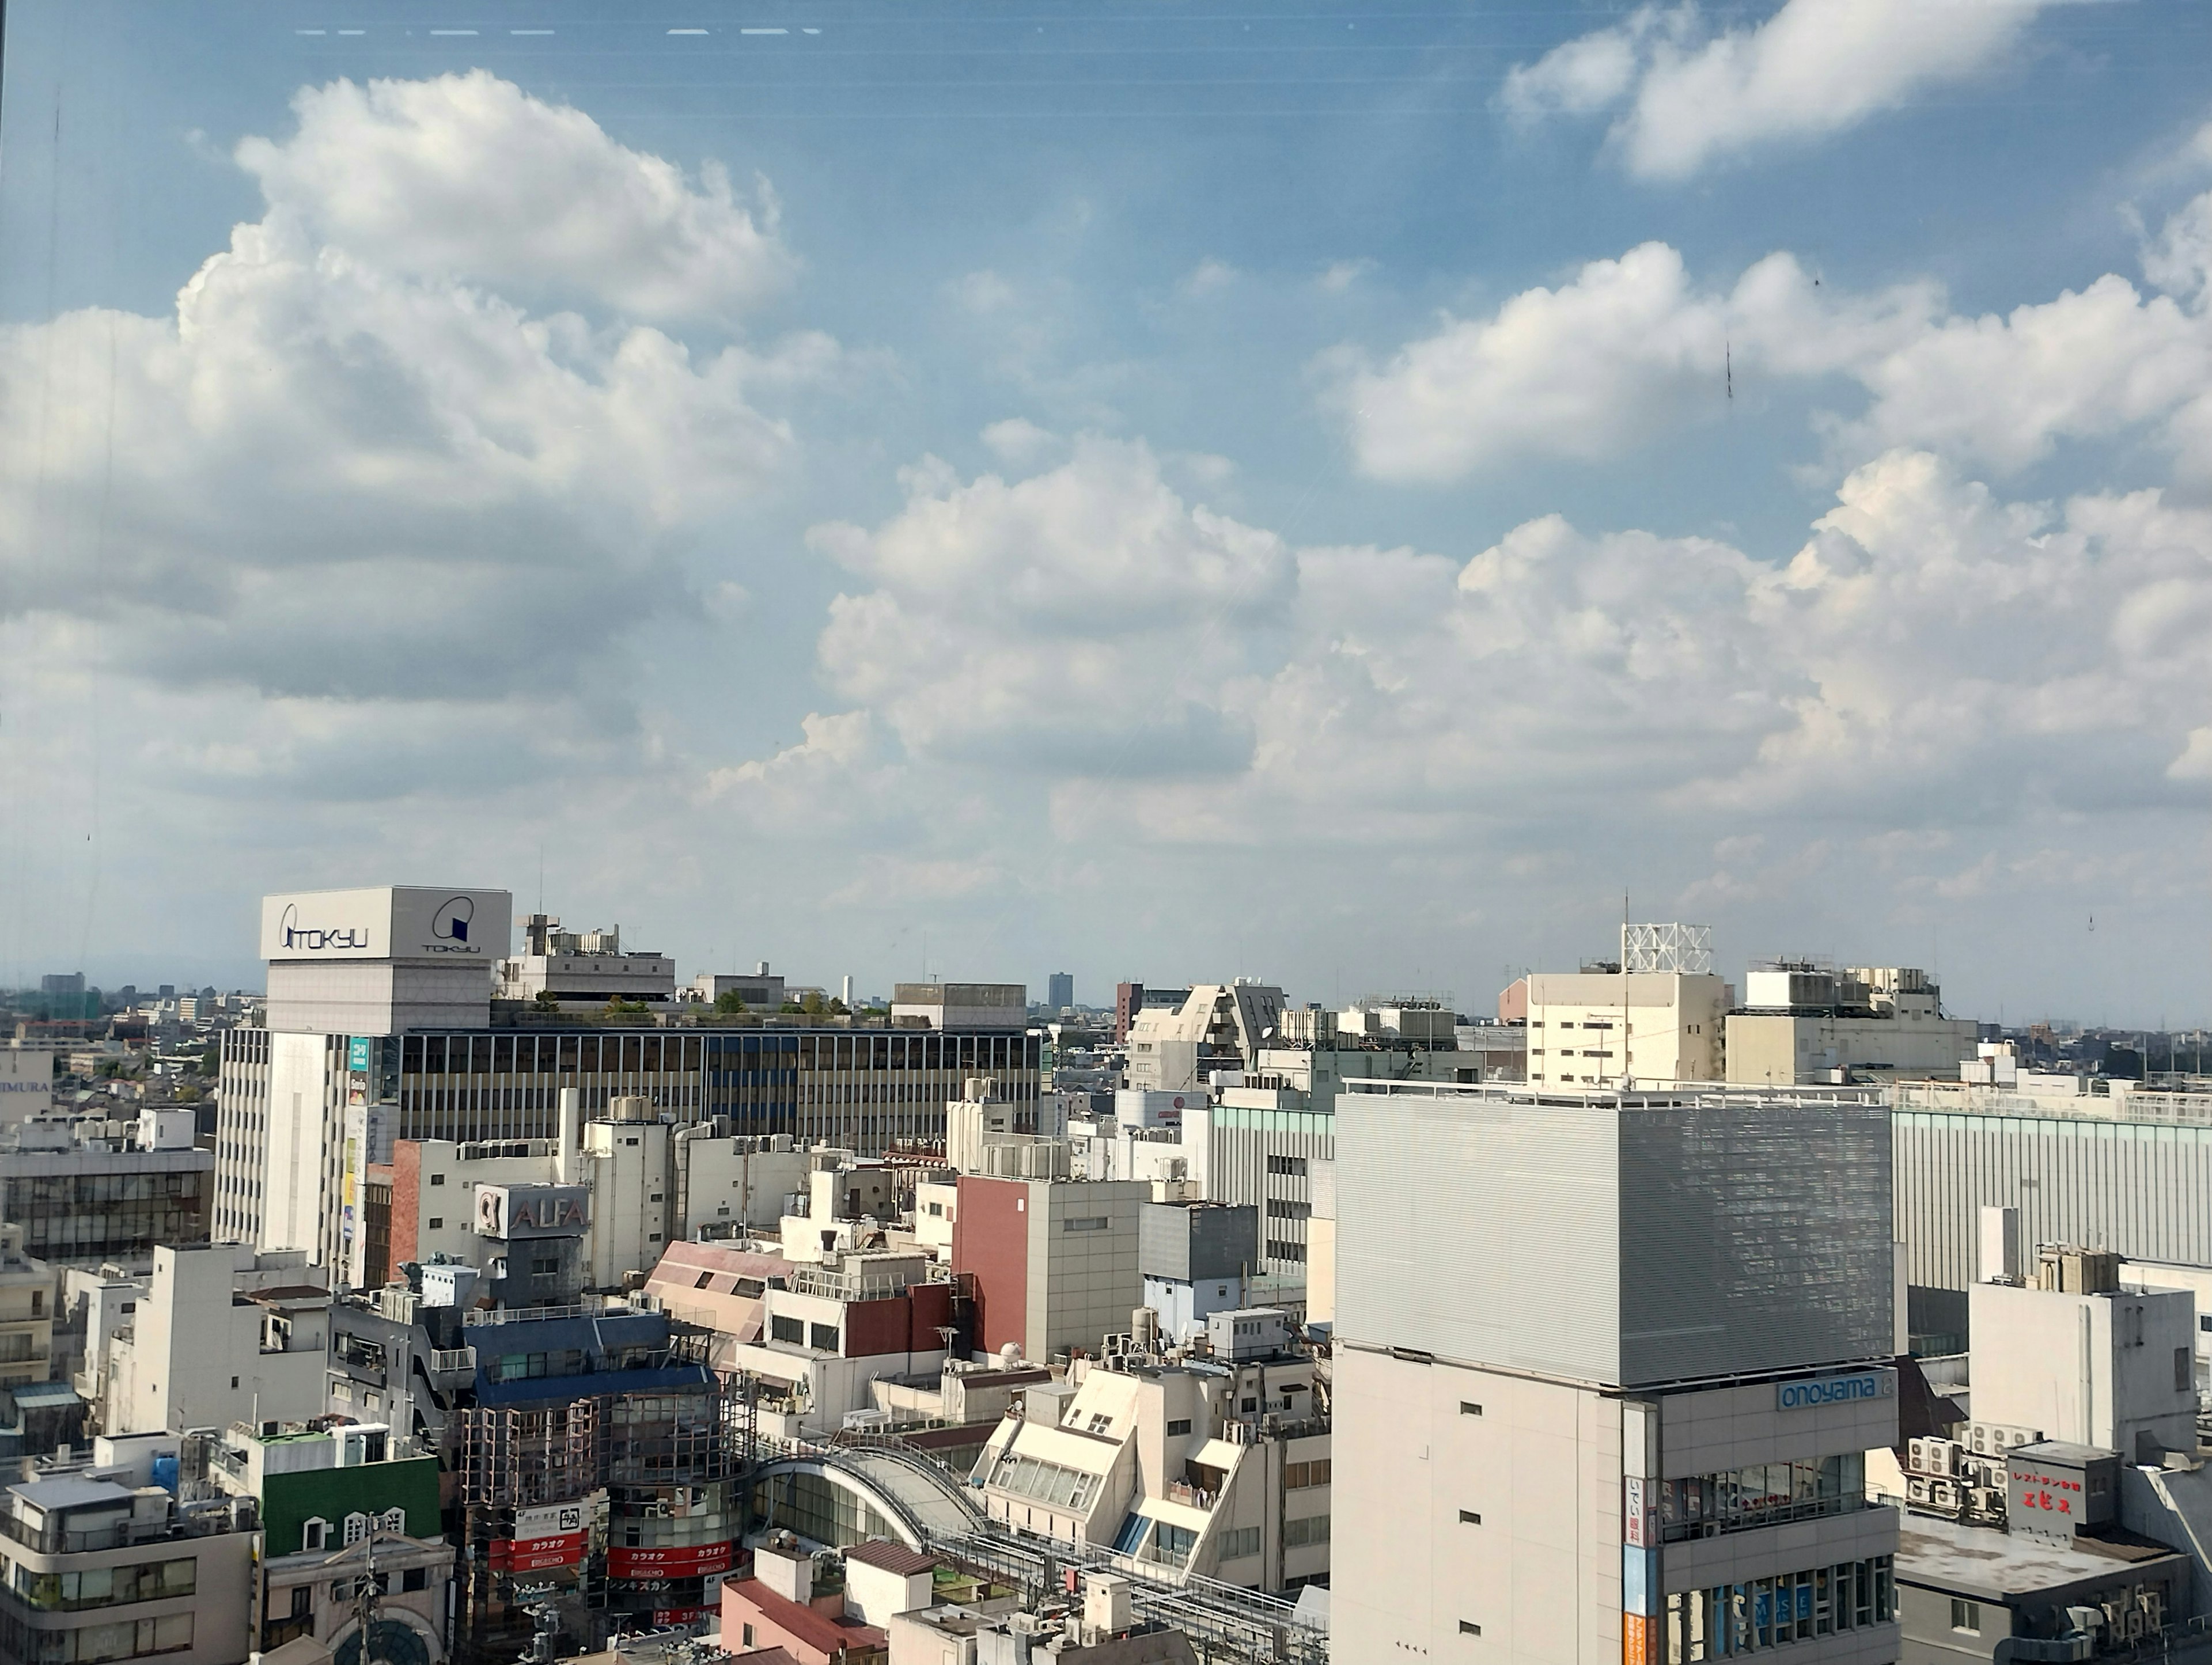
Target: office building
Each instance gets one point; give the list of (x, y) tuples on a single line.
[(382, 1000), (963, 1005), (349, 972), (87, 1190), (762, 991), (27, 1082), (1132, 997), (338, 1505), (219, 1334), (1607, 1367), (1803, 1022), (1059, 991), (830, 1329), (1218, 1026), (581, 969), (1053, 1262), (1967, 1594), (2128, 1173), (1595, 1027), (104, 1565), (1196, 1258)]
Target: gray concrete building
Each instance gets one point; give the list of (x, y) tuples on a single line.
[(1606, 1368)]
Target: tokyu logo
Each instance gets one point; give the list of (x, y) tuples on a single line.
[(316, 938)]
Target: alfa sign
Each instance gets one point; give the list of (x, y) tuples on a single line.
[(1834, 1390), (533, 1210)]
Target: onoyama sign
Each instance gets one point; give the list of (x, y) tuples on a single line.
[(391, 922), (533, 1210)]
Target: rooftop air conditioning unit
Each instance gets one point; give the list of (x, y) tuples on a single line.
[(1915, 1488)]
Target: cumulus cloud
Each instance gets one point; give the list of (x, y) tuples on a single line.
[(1814, 68), (346, 467), (1633, 348), (467, 177), (1082, 617), (1626, 348), (1928, 636)]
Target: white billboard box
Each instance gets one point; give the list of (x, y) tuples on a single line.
[(413, 923)]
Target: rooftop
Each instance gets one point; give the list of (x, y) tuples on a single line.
[(1982, 1561), (890, 1556)]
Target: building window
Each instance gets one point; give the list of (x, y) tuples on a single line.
[(825, 1338), (781, 1328), (1299, 1475), (1468, 1627), (1469, 1407), (704, 1278), (1966, 1616), (1240, 1541), (437, 1179), (1468, 1517), (1305, 1530), (747, 1637), (437, 1222), (1178, 1426), (1084, 1223), (314, 1534)]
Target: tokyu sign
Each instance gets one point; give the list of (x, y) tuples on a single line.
[(434, 926)]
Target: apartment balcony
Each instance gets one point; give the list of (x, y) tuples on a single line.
[(450, 1366), (1195, 1496)]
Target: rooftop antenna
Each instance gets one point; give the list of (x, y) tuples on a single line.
[(1627, 1076), (1728, 367)]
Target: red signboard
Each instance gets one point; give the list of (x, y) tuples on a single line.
[(668, 1561), (537, 1554), (678, 1615)]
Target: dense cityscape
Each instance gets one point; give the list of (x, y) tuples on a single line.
[(1104, 832), (478, 1287)]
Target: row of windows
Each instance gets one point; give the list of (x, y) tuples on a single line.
[(1728, 1619), (107, 1587), (1279, 1250), (126, 1639), (822, 1338), (1294, 1166), (652, 1054), (1305, 1530), (1296, 1476), (1762, 1494), (1047, 1482), (1282, 1208)]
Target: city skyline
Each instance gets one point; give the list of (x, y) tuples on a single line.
[(1339, 503)]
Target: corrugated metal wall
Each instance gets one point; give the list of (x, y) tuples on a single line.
[(2144, 1189), (1753, 1236), (1637, 1246)]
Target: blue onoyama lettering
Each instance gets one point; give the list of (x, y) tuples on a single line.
[(1833, 1390)]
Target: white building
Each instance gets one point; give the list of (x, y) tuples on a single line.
[(2075, 1355), (221, 1334), (1217, 1026), (1806, 1023), (1213, 1464), (1590, 1029), (348, 970), (1605, 1369), (583, 968)]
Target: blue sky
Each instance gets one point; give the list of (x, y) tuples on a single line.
[(1336, 495)]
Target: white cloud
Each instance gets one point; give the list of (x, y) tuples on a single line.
[(1208, 276), (467, 177), (1631, 348), (1814, 68), (1928, 637), (353, 485), (1340, 275), (1588, 369), (1019, 441), (1082, 617)]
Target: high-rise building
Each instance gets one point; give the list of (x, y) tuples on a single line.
[(380, 1027), (1606, 1368), (1059, 991)]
